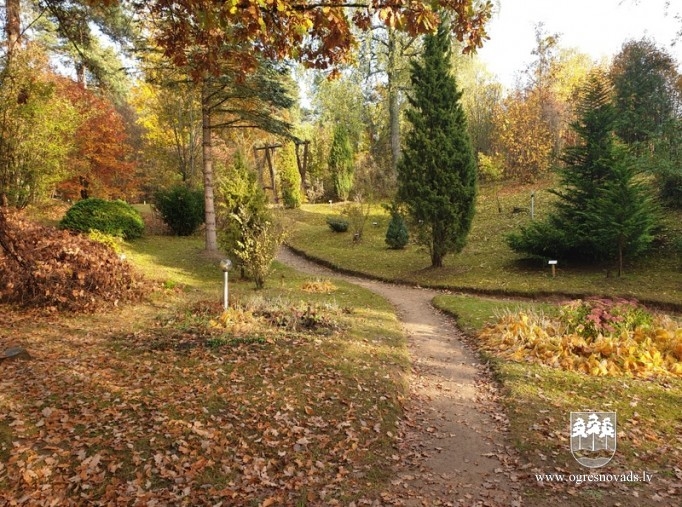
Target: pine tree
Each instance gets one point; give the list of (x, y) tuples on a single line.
[(437, 173)]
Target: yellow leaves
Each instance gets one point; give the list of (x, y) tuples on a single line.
[(648, 350), (318, 287)]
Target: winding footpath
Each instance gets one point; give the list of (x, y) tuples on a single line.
[(453, 450)]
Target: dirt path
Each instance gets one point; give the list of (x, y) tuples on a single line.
[(453, 446)]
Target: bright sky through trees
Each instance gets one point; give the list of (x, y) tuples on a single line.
[(596, 27)]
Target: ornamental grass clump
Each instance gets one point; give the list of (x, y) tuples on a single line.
[(596, 337)]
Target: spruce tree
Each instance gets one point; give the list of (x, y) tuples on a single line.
[(437, 171), (621, 216), (588, 166), (602, 211)]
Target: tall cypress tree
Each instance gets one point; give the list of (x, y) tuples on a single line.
[(341, 163), (437, 171)]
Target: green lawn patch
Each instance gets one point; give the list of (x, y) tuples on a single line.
[(487, 265)]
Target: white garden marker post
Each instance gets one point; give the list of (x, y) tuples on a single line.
[(553, 264), (225, 265)]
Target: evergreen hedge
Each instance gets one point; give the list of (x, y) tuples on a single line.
[(181, 208)]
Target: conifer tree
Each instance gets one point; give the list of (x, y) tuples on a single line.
[(622, 216), (341, 163), (602, 212), (437, 172)]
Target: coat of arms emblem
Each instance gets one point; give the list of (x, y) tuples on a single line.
[(593, 437)]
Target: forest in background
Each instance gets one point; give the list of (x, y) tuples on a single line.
[(91, 107)]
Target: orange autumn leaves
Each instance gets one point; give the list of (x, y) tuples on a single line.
[(101, 162), (203, 34)]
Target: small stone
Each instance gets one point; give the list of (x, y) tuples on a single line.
[(15, 353)]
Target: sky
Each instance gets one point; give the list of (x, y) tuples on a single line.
[(596, 27)]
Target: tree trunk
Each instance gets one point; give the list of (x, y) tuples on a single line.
[(438, 251), (81, 77), (393, 103), (207, 151), (12, 24), (437, 259)]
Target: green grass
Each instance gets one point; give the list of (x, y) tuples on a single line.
[(487, 265), (175, 261), (538, 401)]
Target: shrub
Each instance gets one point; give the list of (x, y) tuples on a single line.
[(337, 224), (396, 234), (357, 214), (181, 208), (116, 218), (260, 238), (490, 168), (239, 195), (113, 242), (594, 317)]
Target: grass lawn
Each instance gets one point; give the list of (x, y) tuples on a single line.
[(538, 401), (487, 265), (164, 402)]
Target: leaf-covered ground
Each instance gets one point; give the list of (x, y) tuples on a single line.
[(152, 405)]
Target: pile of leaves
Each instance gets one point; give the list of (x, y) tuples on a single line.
[(49, 268), (596, 337)]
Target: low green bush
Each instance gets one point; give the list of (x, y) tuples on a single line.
[(116, 218), (396, 234), (337, 224), (181, 209)]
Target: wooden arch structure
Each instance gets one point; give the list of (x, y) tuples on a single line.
[(269, 181)]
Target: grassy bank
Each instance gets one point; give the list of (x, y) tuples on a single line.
[(538, 401), (290, 399), (487, 265)]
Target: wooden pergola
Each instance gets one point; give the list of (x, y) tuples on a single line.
[(269, 152)]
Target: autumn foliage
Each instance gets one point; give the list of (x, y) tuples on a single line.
[(45, 267), (320, 35), (100, 161), (599, 337)]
